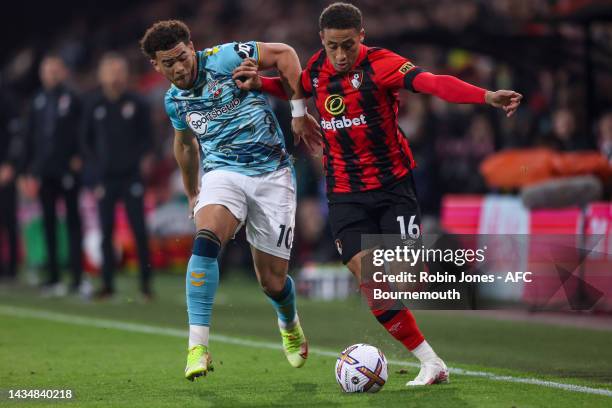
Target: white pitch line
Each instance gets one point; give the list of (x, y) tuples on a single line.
[(146, 329)]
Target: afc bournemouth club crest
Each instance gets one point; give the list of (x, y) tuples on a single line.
[(356, 78)]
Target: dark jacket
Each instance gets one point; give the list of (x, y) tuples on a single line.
[(116, 134), (52, 132), (9, 147)]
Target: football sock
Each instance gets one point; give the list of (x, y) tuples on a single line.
[(401, 325), (201, 284), (395, 318), (284, 304), (424, 352), (198, 335)]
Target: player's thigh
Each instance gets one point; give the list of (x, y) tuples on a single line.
[(349, 222), (400, 224), (400, 213), (218, 219), (271, 213), (221, 206)]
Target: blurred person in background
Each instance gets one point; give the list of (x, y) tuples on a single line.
[(459, 157), (314, 243), (313, 240), (416, 120), (117, 138), (52, 165), (564, 135), (604, 142), (604, 135), (8, 192)]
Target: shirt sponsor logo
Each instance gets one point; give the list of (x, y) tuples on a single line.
[(198, 121), (343, 122), (406, 67), (334, 104)]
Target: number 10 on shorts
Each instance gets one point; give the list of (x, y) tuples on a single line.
[(286, 235)]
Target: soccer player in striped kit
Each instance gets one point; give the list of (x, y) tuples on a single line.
[(367, 159)]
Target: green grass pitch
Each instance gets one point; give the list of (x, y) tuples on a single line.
[(104, 354)]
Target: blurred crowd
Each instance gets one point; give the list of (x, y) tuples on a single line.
[(100, 79)]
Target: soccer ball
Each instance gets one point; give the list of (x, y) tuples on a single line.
[(361, 368)]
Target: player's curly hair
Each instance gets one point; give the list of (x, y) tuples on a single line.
[(163, 36), (341, 16)]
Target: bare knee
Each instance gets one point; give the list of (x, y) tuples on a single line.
[(273, 285), (271, 272), (272, 278)]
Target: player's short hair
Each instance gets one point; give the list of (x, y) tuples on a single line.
[(341, 16), (163, 36)]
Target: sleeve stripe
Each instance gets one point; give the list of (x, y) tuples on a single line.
[(409, 77), (258, 53)]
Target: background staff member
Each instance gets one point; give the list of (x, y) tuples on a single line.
[(8, 194), (117, 135), (52, 161)]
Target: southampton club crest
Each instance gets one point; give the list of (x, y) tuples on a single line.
[(356, 77), (215, 88)]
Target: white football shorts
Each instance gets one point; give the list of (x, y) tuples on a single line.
[(266, 203)]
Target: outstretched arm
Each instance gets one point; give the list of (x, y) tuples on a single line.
[(454, 90), (395, 72)]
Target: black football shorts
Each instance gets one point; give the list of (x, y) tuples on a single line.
[(389, 210)]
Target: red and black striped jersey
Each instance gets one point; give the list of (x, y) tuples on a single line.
[(364, 149)]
